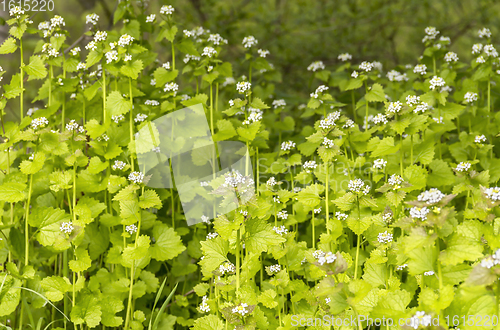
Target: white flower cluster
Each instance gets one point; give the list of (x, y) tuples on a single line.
[(188, 58), (436, 82), (275, 268), (420, 69), (243, 86), (40, 122), (67, 227), (234, 178), (319, 90), (484, 33), (249, 42), (167, 10), (287, 145), (419, 213), (395, 181), (281, 230), (57, 21), (317, 211), (420, 318), (263, 52), (100, 36), (75, 51), (323, 257), (341, 216), (451, 57), (431, 196), (50, 50), (31, 111), (355, 74), (430, 33), (438, 120), (150, 18), (283, 214), (73, 126), (394, 75), (171, 87), (117, 118), (327, 143), (111, 56), (384, 237), (403, 266), (422, 107), (153, 103), (429, 273), (358, 186), (480, 59), (387, 217), (227, 267), (329, 121), (102, 137), (309, 165), (204, 306), (380, 118), (344, 57), (315, 66), (379, 163), (366, 66), (125, 40), (493, 193), (271, 182), (470, 97), (136, 177), (205, 219), (128, 57), (349, 124), (216, 39), (131, 229), (480, 138), (492, 260), (252, 118), (118, 165), (140, 117), (463, 167), (395, 107), (16, 12), (490, 51), (92, 19), (477, 48), (241, 309), (212, 235), (209, 51), (279, 103)]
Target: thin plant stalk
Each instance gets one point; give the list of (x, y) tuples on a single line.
[(22, 79), (131, 124)]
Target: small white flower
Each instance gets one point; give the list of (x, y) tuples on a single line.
[(357, 186), (329, 121), (463, 167), (67, 227), (117, 118), (205, 219), (279, 103), (394, 75), (422, 107), (92, 19), (315, 66), (136, 177), (227, 267), (451, 57), (480, 59), (118, 165), (275, 268), (57, 21), (167, 10), (209, 51), (166, 65), (412, 100), (171, 87), (341, 216), (125, 40), (16, 12), (204, 306), (431, 196), (354, 74), (75, 51), (263, 52), (380, 118), (470, 97), (420, 69), (366, 66), (128, 57), (480, 139), (436, 82), (216, 39), (429, 273), (72, 125), (281, 230), (490, 51), (111, 56), (287, 145), (477, 48), (488, 262), (345, 57), (81, 66), (395, 181), (419, 213), (151, 18), (31, 111), (131, 229), (153, 103), (283, 215), (403, 266), (384, 237), (40, 122), (243, 86), (140, 117), (484, 33), (100, 36), (387, 217), (212, 235), (379, 163), (249, 42), (241, 309), (317, 211), (327, 143), (395, 107), (309, 165), (349, 124), (91, 46), (271, 182), (438, 120), (493, 193)]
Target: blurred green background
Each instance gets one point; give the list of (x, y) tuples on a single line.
[(298, 32)]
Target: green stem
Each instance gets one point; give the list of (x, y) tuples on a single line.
[(22, 81), (313, 231), (358, 241), (131, 124), (366, 115), (411, 150), (51, 76), (238, 260), (104, 96), (353, 106), (401, 155), (63, 116), (26, 225), (327, 189)]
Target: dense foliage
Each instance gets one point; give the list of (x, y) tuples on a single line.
[(375, 196)]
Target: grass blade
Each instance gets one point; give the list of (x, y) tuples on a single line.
[(162, 309)]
